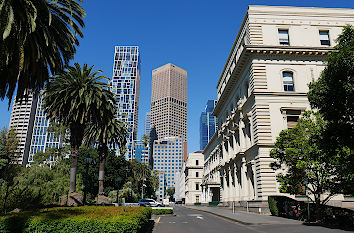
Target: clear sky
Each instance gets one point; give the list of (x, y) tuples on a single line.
[(196, 35)]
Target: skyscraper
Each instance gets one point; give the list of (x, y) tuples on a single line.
[(30, 123), (169, 101), (147, 127), (125, 85), (208, 124), (22, 120), (41, 139)]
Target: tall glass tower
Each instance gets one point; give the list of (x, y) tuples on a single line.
[(42, 140), (125, 85), (208, 124)]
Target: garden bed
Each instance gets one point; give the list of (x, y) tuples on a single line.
[(78, 219)]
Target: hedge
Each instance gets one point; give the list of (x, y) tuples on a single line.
[(162, 211), (78, 219)]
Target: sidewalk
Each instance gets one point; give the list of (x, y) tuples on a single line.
[(244, 217)]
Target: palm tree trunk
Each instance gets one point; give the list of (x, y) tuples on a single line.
[(103, 154), (76, 136), (73, 168)]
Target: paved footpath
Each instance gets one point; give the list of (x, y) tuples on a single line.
[(196, 220)]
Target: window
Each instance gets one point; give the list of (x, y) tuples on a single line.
[(196, 186), (283, 36), (292, 116), (197, 174), (324, 38), (197, 162), (288, 81)]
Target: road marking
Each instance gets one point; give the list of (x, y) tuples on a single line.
[(200, 217), (157, 220), (184, 222)]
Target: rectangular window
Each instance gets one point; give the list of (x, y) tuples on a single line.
[(197, 174), (324, 38), (288, 81), (197, 162), (196, 186), (283, 36), (292, 116)]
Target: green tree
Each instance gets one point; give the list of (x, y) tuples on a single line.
[(108, 131), (8, 166), (128, 193), (146, 139), (333, 94), (75, 98), (299, 155), (170, 192), (38, 37)]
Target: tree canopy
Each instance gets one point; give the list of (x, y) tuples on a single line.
[(299, 154), (38, 38), (333, 95)]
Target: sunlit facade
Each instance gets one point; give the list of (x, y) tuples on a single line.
[(125, 84)]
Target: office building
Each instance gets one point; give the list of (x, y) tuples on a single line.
[(147, 125), (261, 91), (22, 120), (141, 152), (125, 84), (208, 124), (43, 140), (169, 101), (167, 160)]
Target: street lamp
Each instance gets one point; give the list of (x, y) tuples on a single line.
[(119, 179), (88, 161)]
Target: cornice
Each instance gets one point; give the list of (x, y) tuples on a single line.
[(252, 51)]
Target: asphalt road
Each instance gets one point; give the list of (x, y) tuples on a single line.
[(193, 221)]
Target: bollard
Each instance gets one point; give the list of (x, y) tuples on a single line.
[(123, 204), (233, 207)]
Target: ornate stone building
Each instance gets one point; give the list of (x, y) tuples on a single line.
[(261, 91)]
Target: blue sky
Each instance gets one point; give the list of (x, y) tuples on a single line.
[(196, 35)]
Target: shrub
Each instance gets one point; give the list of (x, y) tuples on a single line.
[(162, 211), (78, 219), (273, 206)]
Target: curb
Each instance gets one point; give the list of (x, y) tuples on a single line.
[(222, 216)]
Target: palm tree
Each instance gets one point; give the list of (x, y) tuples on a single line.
[(38, 37), (108, 132), (75, 98)]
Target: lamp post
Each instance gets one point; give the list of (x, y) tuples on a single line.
[(88, 161), (118, 181)]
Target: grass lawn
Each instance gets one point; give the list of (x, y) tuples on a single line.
[(78, 219)]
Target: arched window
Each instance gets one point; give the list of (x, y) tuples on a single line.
[(288, 81)]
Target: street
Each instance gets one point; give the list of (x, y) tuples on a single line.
[(193, 221)]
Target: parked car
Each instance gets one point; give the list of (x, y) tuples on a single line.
[(149, 203)]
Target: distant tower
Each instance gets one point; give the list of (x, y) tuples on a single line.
[(147, 127), (22, 120), (208, 124), (125, 85), (31, 125), (169, 101)]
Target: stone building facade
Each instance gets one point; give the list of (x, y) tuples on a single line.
[(193, 177), (262, 90)]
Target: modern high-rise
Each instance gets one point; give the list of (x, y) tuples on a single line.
[(167, 160), (125, 84), (147, 126), (30, 123), (169, 101), (41, 139), (141, 152), (208, 124), (22, 120)]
